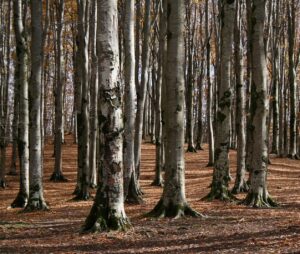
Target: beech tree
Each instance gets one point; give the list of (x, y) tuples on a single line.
[(173, 202), (219, 186), (258, 195), (36, 196), (108, 212), (21, 90)]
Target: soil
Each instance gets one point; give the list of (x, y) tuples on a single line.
[(226, 227)]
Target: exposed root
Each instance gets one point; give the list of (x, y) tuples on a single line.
[(58, 177), (20, 201), (256, 200), (172, 211), (36, 205), (82, 196), (103, 219), (219, 192), (241, 187)]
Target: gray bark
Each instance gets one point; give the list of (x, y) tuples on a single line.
[(258, 195), (219, 186), (108, 211), (36, 196), (173, 202)]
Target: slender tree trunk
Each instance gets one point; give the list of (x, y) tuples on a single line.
[(173, 202), (142, 89), (83, 114), (21, 89), (211, 140), (292, 82), (94, 97), (240, 184), (219, 186), (57, 175), (108, 211), (36, 196), (258, 195), (131, 190)]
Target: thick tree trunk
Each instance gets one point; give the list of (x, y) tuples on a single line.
[(173, 202), (258, 195), (36, 197), (219, 186), (108, 211)]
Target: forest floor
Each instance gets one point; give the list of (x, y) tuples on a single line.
[(227, 227)]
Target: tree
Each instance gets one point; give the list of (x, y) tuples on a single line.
[(108, 212), (258, 195), (131, 192), (83, 181), (240, 184), (219, 186), (21, 90), (36, 196), (57, 175), (173, 202)]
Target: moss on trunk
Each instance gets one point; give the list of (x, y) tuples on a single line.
[(257, 200), (36, 204), (20, 201), (219, 191)]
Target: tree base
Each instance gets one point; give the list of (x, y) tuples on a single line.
[(256, 200), (82, 196), (36, 205), (191, 149), (93, 186), (199, 147), (58, 177), (293, 156), (159, 182), (134, 197), (210, 164), (241, 187), (219, 192), (101, 219), (77, 190), (20, 201), (3, 184), (172, 211)]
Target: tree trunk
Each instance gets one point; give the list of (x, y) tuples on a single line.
[(57, 175), (219, 186), (131, 191), (211, 140), (36, 197), (173, 202), (21, 90), (108, 211), (292, 82), (258, 195), (83, 112), (94, 97), (240, 184), (142, 89)]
